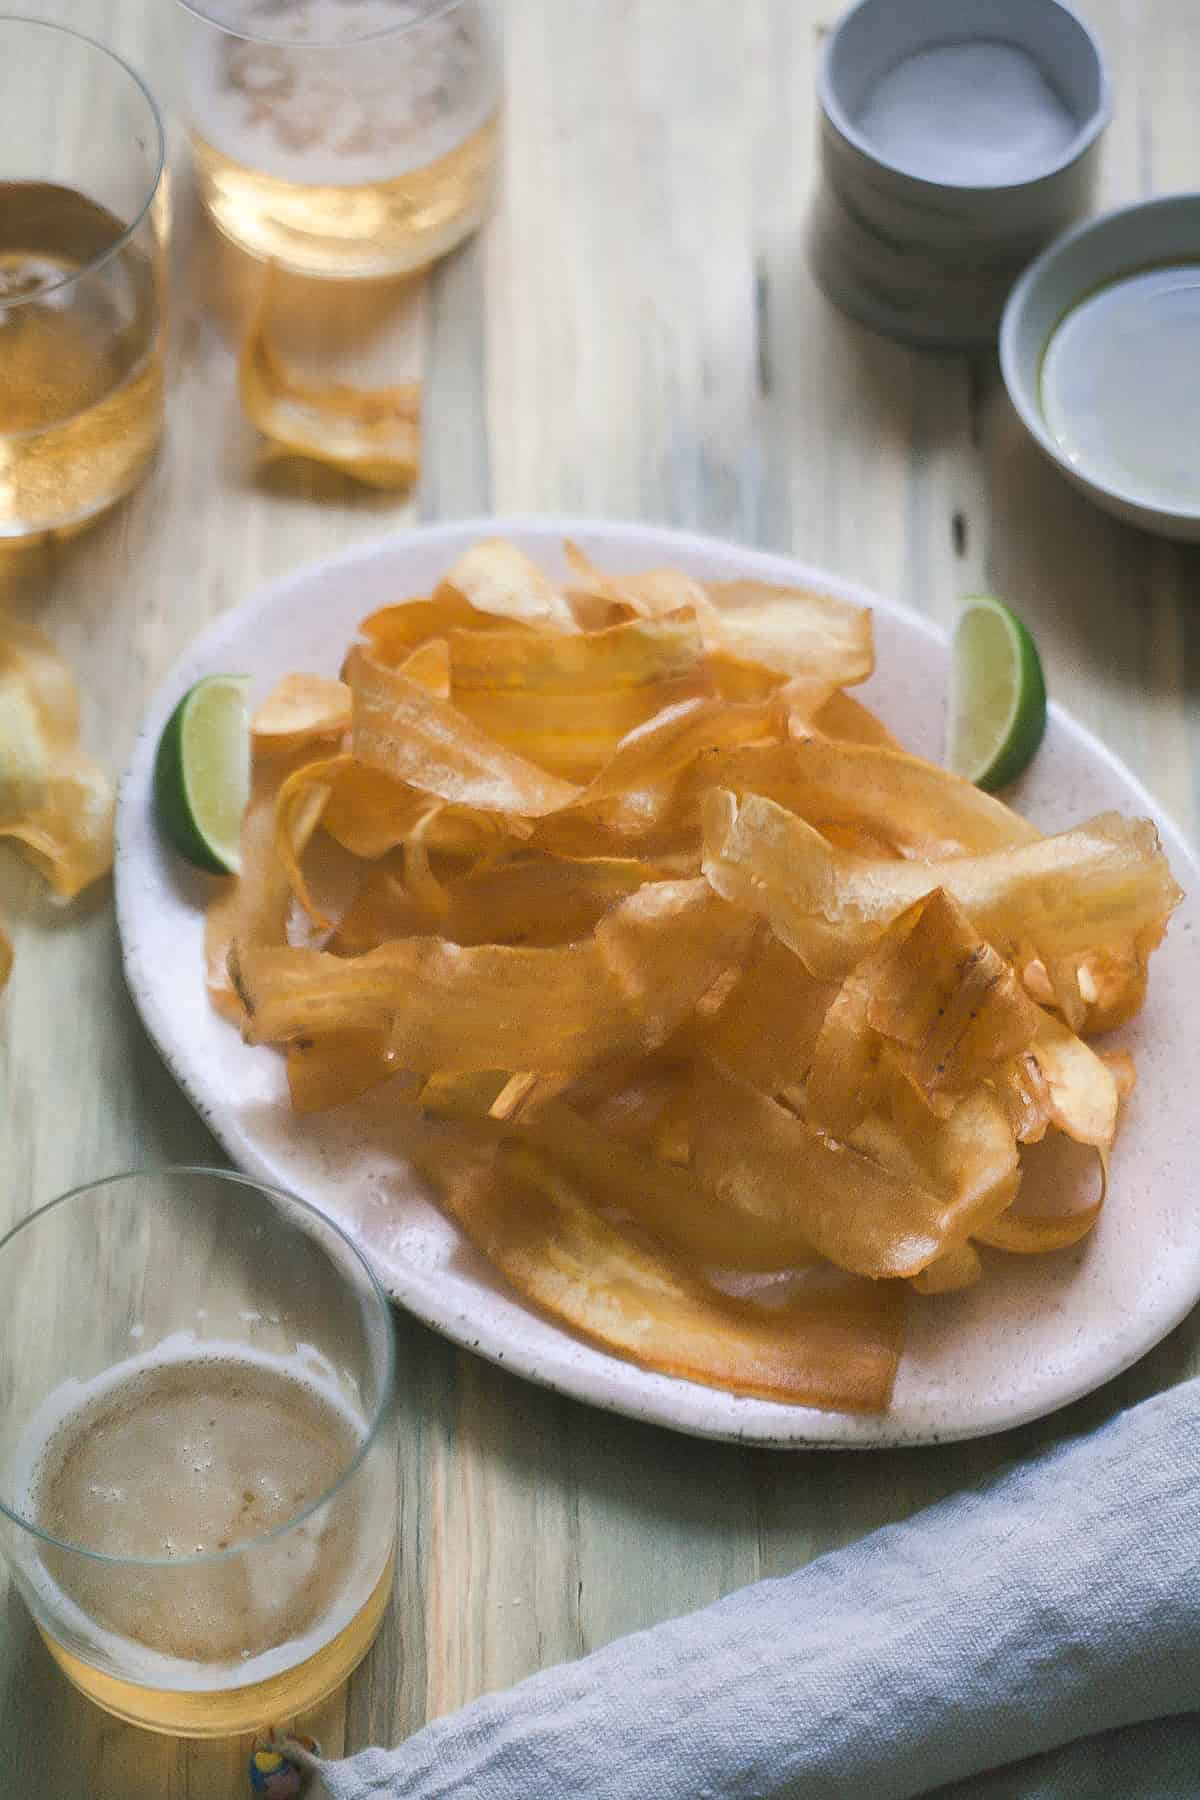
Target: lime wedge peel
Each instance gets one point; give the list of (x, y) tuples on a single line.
[(202, 773), (997, 695)]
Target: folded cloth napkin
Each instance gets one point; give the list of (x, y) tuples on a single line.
[(952, 1653)]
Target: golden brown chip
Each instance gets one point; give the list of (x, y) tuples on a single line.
[(624, 989), (850, 722), (495, 577), (834, 1344), (1062, 896), (403, 731), (954, 1269), (332, 1070), (372, 434), (56, 804), (300, 710), (253, 907), (566, 702), (793, 631), (767, 1029), (779, 1174)]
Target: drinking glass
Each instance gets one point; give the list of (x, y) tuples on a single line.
[(197, 1447), (82, 210), (342, 137)]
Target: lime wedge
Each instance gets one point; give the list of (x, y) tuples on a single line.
[(997, 695), (202, 773)]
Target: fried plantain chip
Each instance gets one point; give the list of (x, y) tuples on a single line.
[(567, 702), (429, 664), (300, 710), (497, 578), (334, 1069), (404, 731), (56, 804), (848, 721), (539, 901), (625, 988), (1063, 1187), (793, 631), (767, 1029), (253, 908), (1062, 896), (779, 1174), (372, 434), (833, 1344), (954, 1270)]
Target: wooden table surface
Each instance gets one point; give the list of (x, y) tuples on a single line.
[(635, 334)]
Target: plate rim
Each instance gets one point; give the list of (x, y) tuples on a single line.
[(419, 1295)]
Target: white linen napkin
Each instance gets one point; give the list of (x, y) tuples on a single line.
[(977, 1650)]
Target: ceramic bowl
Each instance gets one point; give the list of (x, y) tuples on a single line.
[(931, 260), (1125, 242)]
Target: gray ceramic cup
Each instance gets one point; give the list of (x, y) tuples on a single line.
[(927, 251)]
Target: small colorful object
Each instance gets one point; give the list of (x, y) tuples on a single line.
[(274, 1774)]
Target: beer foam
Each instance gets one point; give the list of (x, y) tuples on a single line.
[(346, 116), (168, 1617)]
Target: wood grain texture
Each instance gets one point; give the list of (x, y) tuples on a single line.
[(635, 333)]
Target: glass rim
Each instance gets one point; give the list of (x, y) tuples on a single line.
[(160, 161), (380, 1411), (199, 10)]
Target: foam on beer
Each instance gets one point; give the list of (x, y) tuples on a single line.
[(190, 1463)]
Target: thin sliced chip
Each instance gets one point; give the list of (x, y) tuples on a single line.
[(1022, 1091), (775, 1171), (1060, 896), (330, 1071), (767, 1029), (1062, 1195), (969, 1158), (850, 722), (56, 803), (299, 804), (539, 901), (835, 1344), (951, 1006), (382, 910), (372, 434), (567, 702), (429, 664), (954, 1270), (459, 1094), (626, 988), (496, 577), (794, 631), (925, 810), (404, 731), (629, 1098), (393, 632), (668, 1202), (634, 791), (253, 908), (1082, 1092), (300, 710)]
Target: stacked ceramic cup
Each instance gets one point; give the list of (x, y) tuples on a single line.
[(957, 138)]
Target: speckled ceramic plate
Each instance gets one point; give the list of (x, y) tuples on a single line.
[(1037, 1333)]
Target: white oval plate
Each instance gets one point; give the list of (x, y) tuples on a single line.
[(1036, 1333)]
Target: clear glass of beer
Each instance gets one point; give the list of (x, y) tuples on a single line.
[(81, 281), (197, 1447), (350, 138)]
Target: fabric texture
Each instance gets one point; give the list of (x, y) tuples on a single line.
[(1037, 1637)]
